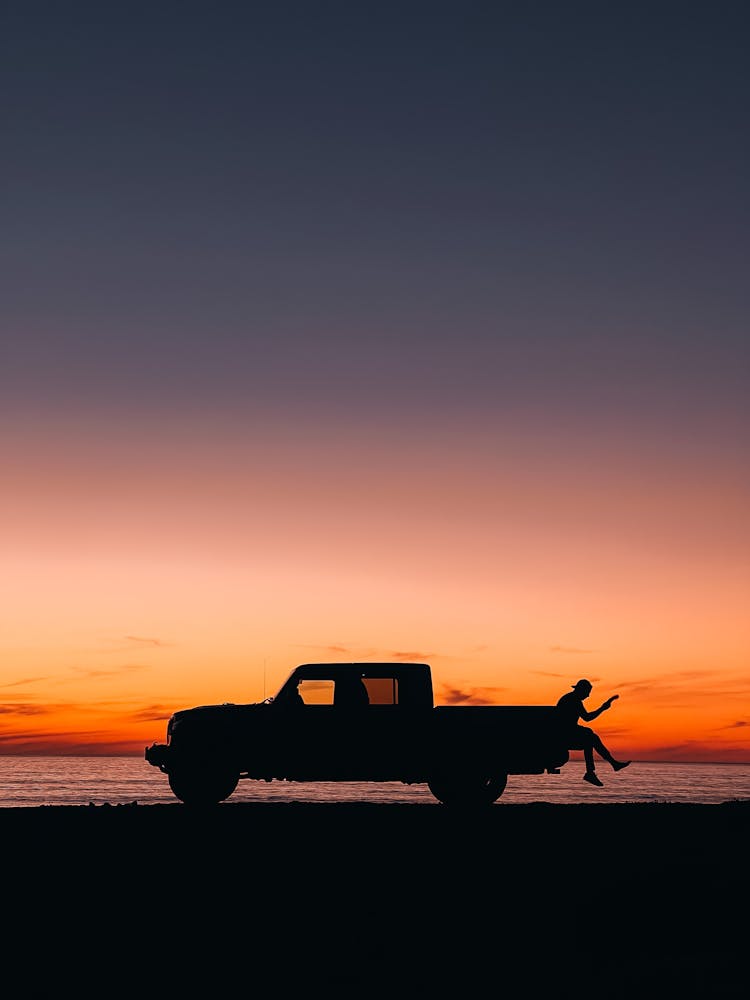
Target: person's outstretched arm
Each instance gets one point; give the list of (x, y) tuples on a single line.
[(590, 716)]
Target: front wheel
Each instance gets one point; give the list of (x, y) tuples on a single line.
[(467, 791), (202, 784)]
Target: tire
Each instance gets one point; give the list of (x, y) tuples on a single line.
[(202, 784), (466, 791)]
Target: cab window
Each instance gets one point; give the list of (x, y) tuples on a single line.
[(382, 690), (316, 692)]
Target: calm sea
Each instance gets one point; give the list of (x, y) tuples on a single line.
[(58, 781)]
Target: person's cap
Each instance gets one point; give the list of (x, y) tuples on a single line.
[(583, 683)]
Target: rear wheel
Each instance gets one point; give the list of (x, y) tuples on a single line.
[(467, 791), (202, 784)]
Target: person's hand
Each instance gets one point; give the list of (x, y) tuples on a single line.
[(608, 702)]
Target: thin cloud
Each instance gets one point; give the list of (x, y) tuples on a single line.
[(130, 642), (337, 650), (24, 708), (152, 713), (143, 641), (680, 688), (572, 650), (126, 668), (95, 743), (20, 737), (412, 655), (450, 695), (25, 680), (548, 673), (27, 709), (694, 751)]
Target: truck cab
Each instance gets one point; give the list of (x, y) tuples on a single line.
[(407, 686)]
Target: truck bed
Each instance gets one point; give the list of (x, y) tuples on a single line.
[(523, 739)]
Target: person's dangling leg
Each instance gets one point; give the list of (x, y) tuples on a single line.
[(617, 765), (588, 742), (598, 745)]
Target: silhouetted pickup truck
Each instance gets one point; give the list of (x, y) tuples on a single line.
[(358, 722)]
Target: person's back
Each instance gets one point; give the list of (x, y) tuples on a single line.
[(569, 708)]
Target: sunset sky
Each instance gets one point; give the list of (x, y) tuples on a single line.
[(353, 331)]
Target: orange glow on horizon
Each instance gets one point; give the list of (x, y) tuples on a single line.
[(152, 573)]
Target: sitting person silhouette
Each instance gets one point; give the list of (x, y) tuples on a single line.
[(350, 692), (570, 708), (289, 697)]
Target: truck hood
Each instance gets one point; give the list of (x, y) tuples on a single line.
[(208, 718), (207, 712)]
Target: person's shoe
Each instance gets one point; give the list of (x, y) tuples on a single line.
[(618, 765), (592, 778)]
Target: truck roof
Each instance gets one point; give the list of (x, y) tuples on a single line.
[(366, 667)]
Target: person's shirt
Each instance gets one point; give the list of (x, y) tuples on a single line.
[(350, 693), (570, 708)]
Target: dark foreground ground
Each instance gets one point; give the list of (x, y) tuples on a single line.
[(369, 900)]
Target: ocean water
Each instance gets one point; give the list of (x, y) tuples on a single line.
[(66, 781)]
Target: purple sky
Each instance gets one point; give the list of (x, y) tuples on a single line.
[(472, 212)]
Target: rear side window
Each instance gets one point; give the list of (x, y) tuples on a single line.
[(382, 690)]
